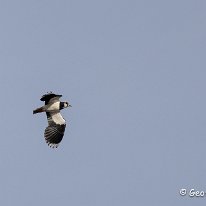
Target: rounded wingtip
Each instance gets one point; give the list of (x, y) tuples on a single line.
[(49, 95)]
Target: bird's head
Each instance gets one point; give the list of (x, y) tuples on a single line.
[(66, 104)]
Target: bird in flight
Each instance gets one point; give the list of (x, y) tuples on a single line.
[(56, 123)]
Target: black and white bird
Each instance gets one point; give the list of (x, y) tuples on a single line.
[(56, 123)]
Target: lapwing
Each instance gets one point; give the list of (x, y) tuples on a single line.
[(56, 123)]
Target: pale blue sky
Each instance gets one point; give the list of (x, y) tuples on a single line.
[(134, 72)]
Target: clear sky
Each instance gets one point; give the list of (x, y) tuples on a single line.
[(134, 72)]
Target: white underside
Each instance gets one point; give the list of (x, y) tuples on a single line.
[(54, 100), (57, 118), (52, 107)]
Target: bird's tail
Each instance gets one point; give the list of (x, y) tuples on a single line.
[(38, 110)]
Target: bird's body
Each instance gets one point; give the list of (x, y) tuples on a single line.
[(56, 123)]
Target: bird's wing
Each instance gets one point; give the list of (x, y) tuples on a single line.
[(53, 100), (55, 131), (50, 98)]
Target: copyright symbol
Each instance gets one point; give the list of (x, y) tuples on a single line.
[(183, 192)]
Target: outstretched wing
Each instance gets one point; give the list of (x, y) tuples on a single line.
[(50, 98), (55, 131)]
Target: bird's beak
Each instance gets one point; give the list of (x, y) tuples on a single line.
[(70, 105)]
